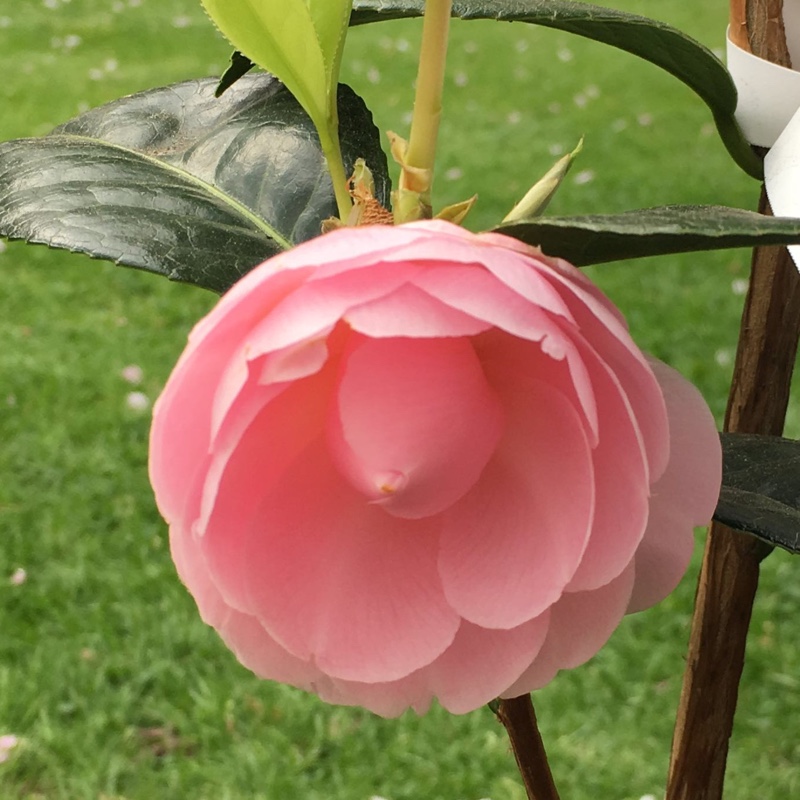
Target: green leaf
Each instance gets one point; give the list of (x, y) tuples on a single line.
[(176, 182), (657, 42), (596, 238), (298, 41), (761, 488), (240, 65)]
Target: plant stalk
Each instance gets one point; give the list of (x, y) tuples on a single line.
[(757, 403), (420, 155), (332, 150), (519, 719)]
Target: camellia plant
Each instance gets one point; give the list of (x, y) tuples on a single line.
[(402, 462)]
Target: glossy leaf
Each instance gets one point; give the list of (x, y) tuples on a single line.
[(179, 183), (657, 42), (597, 238), (298, 41), (761, 488)]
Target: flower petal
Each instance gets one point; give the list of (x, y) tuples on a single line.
[(686, 494), (415, 422), (335, 579), (481, 663), (474, 291), (408, 311), (601, 325), (512, 544), (385, 699), (476, 668), (318, 305), (477, 292), (182, 414), (260, 653), (622, 500), (580, 624), (248, 467), (271, 372), (348, 249), (189, 560)]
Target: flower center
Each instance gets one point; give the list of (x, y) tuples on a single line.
[(413, 423), (391, 482)]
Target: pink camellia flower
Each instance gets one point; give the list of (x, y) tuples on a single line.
[(410, 463)]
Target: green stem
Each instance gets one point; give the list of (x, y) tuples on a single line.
[(421, 151), (332, 150)]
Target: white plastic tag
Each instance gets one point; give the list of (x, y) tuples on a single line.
[(782, 176), (769, 114), (768, 95)]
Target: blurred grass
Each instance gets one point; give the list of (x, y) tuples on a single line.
[(115, 687)]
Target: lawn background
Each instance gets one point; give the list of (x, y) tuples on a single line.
[(114, 686)]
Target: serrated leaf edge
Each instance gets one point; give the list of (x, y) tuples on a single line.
[(317, 115)]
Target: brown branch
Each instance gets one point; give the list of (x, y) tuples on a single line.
[(519, 719), (765, 31), (738, 24), (729, 577)]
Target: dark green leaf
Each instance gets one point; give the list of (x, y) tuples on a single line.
[(117, 205), (657, 42), (179, 183), (240, 65), (761, 488), (596, 238)]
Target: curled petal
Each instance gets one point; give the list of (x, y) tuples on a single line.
[(685, 495), (512, 544), (477, 667), (180, 432), (318, 305), (478, 293), (261, 654), (414, 423), (408, 311), (622, 500), (475, 292), (601, 325), (339, 581), (240, 474), (580, 624)]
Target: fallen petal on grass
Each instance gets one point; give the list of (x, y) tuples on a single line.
[(18, 577), (137, 401), (7, 743), (133, 374)]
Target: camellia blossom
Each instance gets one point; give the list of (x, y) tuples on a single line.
[(406, 463)]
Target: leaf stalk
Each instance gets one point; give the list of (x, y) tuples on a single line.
[(332, 150)]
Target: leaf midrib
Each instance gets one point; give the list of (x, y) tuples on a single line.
[(214, 191)]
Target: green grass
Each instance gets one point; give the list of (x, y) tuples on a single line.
[(115, 687)]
